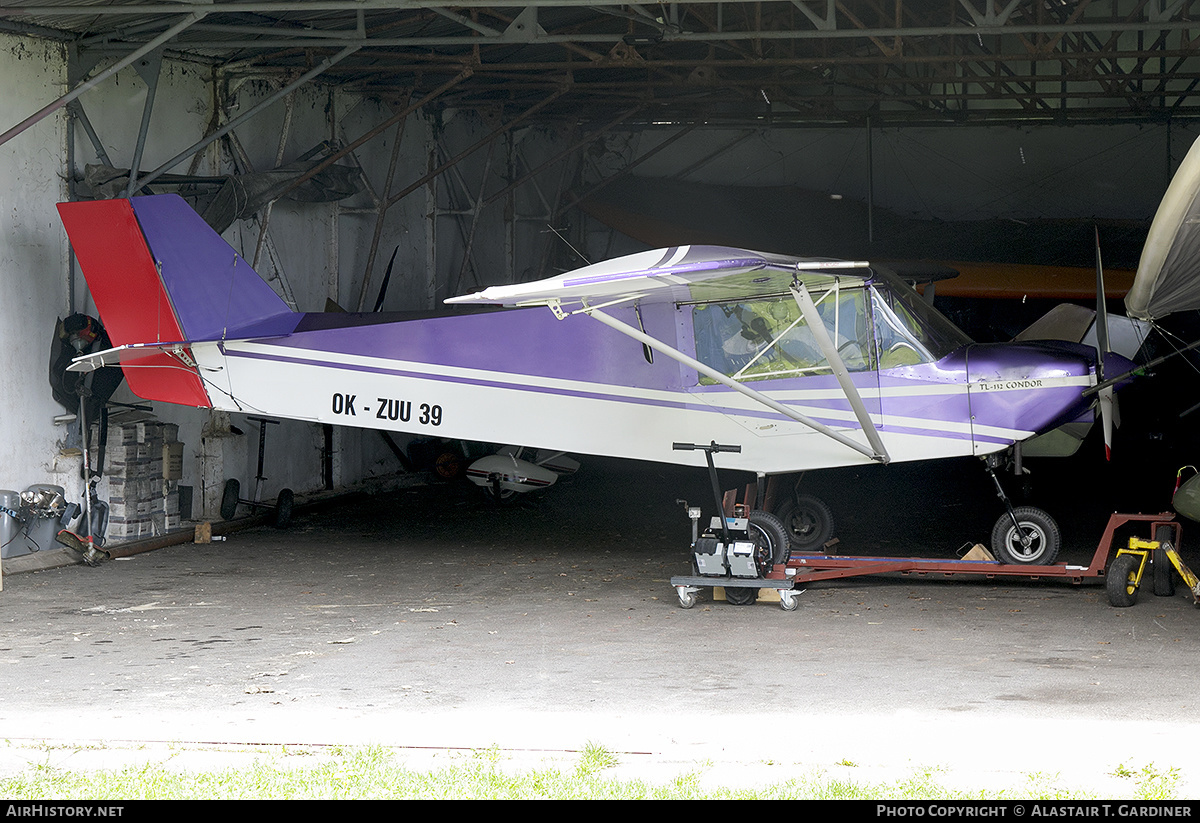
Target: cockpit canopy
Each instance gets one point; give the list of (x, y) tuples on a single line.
[(879, 323)]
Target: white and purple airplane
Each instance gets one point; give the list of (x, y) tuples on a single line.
[(803, 363)]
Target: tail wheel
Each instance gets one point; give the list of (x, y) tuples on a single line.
[(1034, 541), (1122, 584), (807, 521), (496, 493)]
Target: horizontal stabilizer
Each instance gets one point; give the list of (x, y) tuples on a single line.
[(131, 356)]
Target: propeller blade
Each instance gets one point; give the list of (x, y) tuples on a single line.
[(1106, 419), (1101, 313), (1107, 413), (387, 276)]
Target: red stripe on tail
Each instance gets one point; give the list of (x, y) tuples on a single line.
[(129, 294)]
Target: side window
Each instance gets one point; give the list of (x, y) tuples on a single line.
[(899, 344), (768, 339)]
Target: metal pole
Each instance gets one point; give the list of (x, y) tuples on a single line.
[(628, 169), (151, 76), (233, 124), (380, 129), (101, 77), (391, 201), (582, 142), (870, 185), (381, 213)]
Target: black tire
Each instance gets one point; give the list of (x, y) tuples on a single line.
[(1045, 538), (770, 540), (229, 499), (1122, 572), (807, 521), (283, 509), (497, 495), (741, 595), (1163, 571)]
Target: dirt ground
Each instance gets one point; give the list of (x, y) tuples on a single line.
[(432, 621)]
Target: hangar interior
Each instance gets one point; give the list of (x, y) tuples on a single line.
[(384, 154)]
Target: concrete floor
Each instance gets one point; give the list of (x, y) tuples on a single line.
[(427, 620)]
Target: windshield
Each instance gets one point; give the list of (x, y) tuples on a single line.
[(907, 328), (884, 325)]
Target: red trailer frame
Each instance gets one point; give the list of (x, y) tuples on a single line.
[(791, 578), (809, 568)]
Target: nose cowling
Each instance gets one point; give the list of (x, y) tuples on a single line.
[(1030, 387)]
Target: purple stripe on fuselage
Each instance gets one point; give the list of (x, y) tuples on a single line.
[(529, 342)]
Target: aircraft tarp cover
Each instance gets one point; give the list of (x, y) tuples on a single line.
[(1168, 275)]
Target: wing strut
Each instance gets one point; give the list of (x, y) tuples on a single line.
[(821, 335), (878, 454)]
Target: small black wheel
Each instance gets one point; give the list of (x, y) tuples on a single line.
[(283, 509), (496, 493), (741, 595), (1164, 572), (807, 521), (771, 544), (1122, 581), (229, 499), (1035, 544), (687, 599), (789, 599)]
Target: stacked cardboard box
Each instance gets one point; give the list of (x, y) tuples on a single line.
[(142, 466)]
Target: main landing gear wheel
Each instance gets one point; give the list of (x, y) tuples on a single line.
[(807, 521), (1036, 543), (1122, 581)]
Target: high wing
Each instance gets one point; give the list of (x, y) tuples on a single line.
[(1166, 280), (678, 274)]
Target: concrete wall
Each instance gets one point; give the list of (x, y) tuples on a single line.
[(33, 280)]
